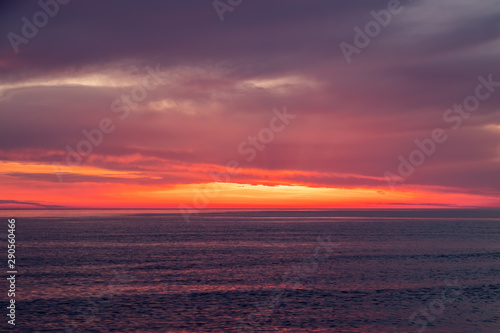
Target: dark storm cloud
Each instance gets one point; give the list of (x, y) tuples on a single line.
[(178, 32)]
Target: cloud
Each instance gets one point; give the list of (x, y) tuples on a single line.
[(25, 204)]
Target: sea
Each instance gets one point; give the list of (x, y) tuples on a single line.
[(233, 270)]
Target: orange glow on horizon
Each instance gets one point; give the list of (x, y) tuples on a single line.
[(91, 187)]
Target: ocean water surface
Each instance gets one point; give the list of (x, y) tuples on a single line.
[(258, 271)]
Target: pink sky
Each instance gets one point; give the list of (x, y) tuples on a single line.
[(174, 96)]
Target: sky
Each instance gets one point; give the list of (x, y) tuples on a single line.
[(249, 103)]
